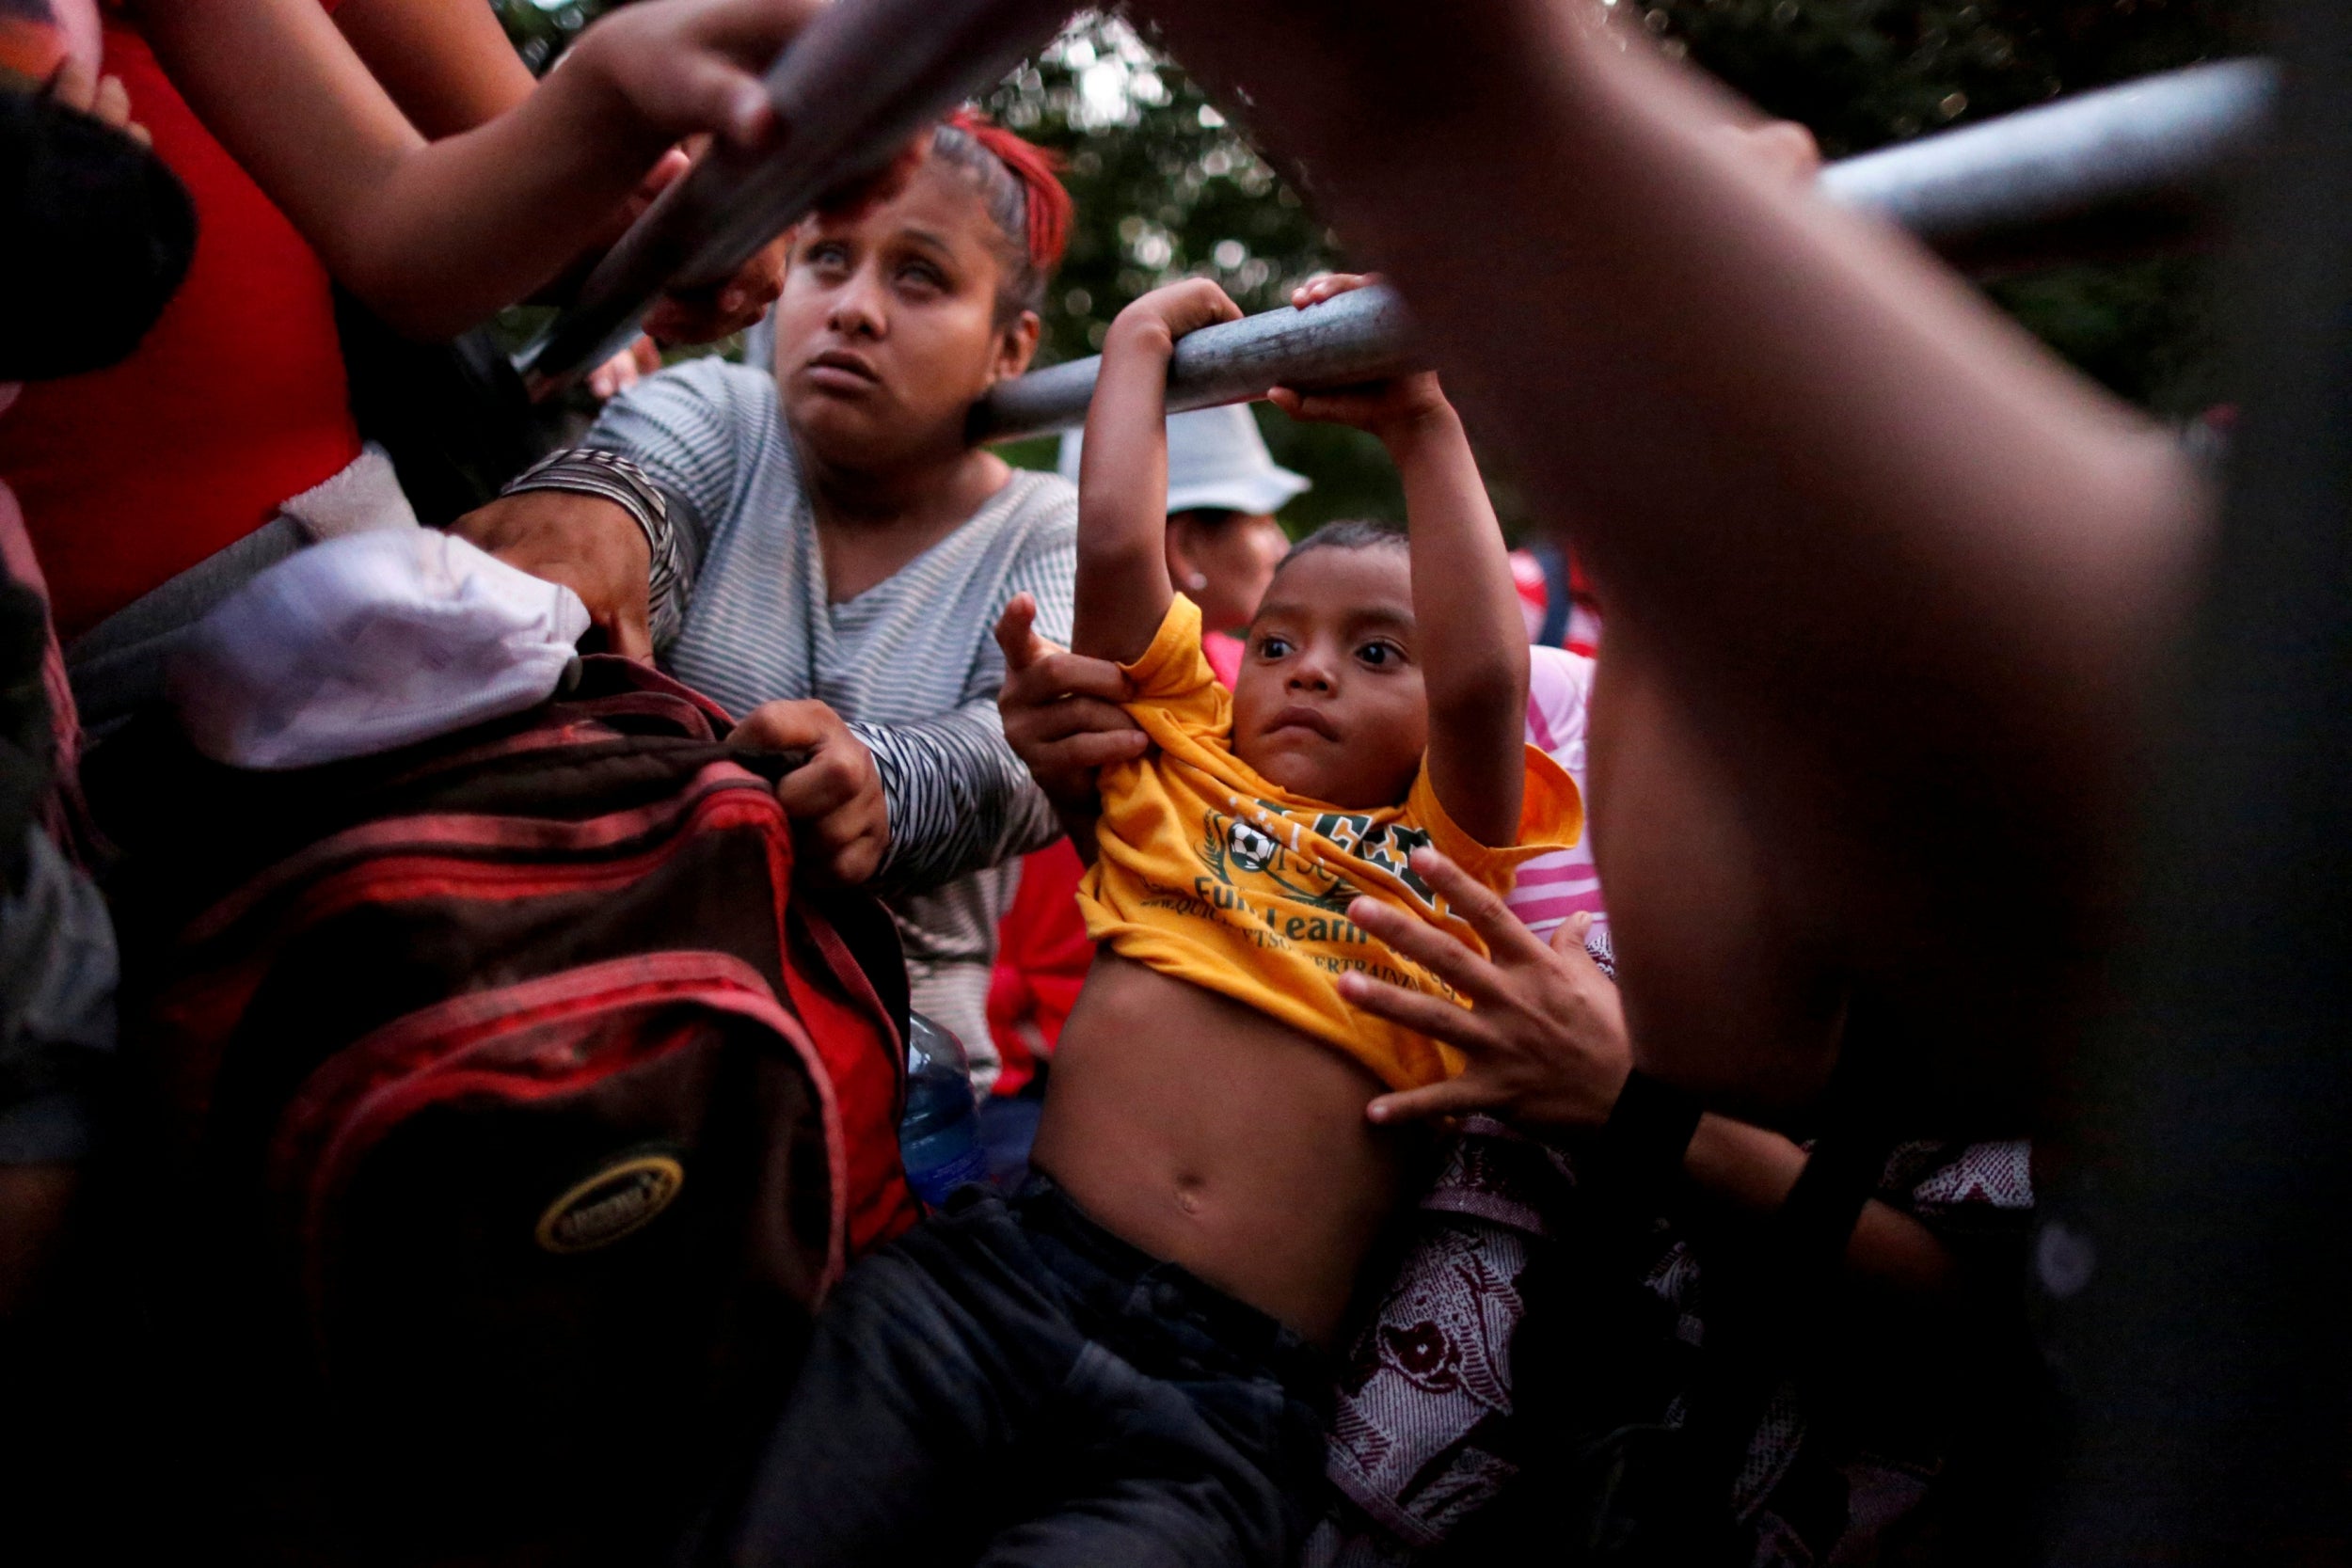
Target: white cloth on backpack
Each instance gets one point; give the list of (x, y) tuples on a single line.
[(367, 642), (119, 666), (359, 497)]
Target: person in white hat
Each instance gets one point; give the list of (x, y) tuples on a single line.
[(1223, 543)]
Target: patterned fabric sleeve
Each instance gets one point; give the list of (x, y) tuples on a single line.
[(959, 799), (1958, 1190), (686, 429)]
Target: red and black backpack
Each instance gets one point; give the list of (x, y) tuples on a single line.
[(525, 1107)]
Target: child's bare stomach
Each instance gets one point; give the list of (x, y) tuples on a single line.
[(1212, 1136)]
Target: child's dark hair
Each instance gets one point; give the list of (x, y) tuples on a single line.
[(1352, 534), (1017, 183)]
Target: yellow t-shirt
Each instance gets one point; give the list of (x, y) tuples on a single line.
[(1211, 874)]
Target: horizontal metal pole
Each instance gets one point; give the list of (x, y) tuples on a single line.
[(1358, 337), (2158, 144), (2145, 157), (849, 93)]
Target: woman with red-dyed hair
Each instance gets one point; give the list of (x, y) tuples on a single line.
[(820, 549)]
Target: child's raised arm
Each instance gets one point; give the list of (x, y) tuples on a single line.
[(1471, 641), (1123, 590)]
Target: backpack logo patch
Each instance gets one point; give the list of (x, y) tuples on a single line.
[(618, 1200)]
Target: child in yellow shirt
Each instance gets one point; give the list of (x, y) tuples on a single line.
[(1120, 1364)]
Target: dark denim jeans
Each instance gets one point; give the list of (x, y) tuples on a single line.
[(1011, 1384)]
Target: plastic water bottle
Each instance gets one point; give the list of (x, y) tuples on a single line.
[(939, 1138)]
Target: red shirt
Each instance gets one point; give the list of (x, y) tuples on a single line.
[(234, 401), (1041, 959)]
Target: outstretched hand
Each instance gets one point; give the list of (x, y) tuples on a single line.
[(1390, 409), (78, 88), (1545, 1032), (706, 315), (1061, 711), (624, 369), (691, 65)]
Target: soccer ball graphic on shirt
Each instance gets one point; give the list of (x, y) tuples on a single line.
[(1252, 848)]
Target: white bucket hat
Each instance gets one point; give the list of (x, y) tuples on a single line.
[(1216, 458)]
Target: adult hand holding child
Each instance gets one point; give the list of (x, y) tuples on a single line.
[(1545, 1032), (1062, 718), (1546, 1037)]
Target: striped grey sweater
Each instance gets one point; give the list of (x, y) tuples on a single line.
[(912, 663)]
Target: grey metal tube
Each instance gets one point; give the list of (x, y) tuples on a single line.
[(2161, 143), (2147, 153), (850, 91), (1358, 337)]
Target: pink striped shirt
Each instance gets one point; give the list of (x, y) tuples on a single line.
[(1553, 887)]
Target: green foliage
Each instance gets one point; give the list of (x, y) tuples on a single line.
[(1861, 74), (1165, 188), (1865, 72), (2146, 329), (539, 32)]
